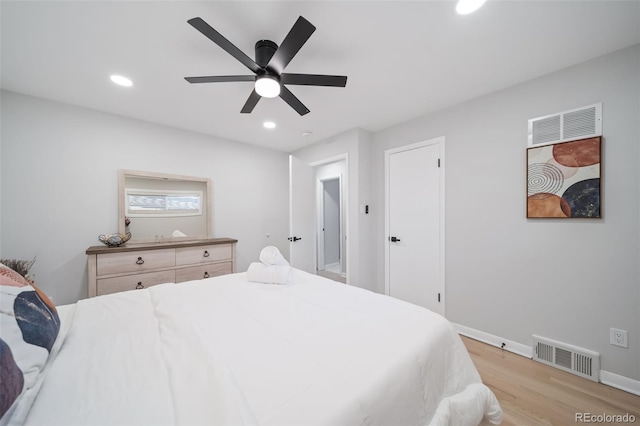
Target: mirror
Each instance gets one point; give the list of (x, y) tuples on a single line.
[(161, 207)]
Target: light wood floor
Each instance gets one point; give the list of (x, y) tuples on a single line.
[(532, 393)]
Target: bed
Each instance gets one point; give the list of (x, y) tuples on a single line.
[(226, 351)]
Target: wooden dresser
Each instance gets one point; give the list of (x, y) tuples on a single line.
[(136, 266)]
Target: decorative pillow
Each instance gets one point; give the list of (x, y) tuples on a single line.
[(29, 326)]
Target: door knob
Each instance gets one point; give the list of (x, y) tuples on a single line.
[(394, 239), (294, 239)]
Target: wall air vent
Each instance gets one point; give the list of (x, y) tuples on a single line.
[(580, 123), (582, 362)]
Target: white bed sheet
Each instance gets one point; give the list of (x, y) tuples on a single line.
[(227, 351)]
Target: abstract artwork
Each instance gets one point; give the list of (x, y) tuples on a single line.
[(563, 179)]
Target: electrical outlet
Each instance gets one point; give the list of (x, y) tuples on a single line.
[(619, 337)]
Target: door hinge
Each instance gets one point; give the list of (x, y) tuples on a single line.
[(438, 297), (438, 162)]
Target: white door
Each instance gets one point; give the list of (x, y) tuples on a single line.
[(415, 237), (302, 205)]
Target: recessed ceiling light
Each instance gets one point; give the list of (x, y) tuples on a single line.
[(122, 81), (465, 7), (306, 134), (269, 124)]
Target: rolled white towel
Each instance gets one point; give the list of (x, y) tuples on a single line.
[(269, 274), (270, 255)]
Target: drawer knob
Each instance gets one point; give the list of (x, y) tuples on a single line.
[(139, 261), (206, 274), (140, 285), (206, 254)]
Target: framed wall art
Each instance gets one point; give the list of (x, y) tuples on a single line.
[(563, 179)]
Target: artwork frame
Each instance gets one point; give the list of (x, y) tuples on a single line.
[(564, 180)]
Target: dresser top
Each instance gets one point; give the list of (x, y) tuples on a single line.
[(159, 245)]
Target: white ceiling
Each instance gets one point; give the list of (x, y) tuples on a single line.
[(403, 59)]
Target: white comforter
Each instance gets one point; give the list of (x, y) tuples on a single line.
[(227, 351)]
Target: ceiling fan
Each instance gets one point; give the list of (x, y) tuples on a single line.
[(268, 66)]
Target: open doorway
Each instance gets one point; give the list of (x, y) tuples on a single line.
[(307, 211), (330, 226), (330, 236)]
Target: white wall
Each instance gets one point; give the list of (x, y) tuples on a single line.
[(356, 143), (1, 176), (570, 280), (59, 174)]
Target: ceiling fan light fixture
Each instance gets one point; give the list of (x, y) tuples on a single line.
[(464, 7), (267, 86)]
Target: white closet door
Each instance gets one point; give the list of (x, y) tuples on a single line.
[(414, 239)]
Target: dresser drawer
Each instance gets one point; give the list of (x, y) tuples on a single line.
[(203, 254), (135, 261), (132, 282), (203, 271)]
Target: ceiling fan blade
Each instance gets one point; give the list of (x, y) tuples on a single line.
[(314, 80), (293, 102), (220, 78), (297, 37), (251, 102), (225, 44)]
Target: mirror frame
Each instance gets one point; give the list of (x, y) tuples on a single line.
[(122, 174)]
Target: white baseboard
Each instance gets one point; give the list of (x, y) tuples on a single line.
[(611, 379), (490, 339), (620, 382)]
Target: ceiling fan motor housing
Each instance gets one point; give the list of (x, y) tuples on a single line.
[(264, 51)]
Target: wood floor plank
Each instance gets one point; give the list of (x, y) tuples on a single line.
[(532, 393)]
